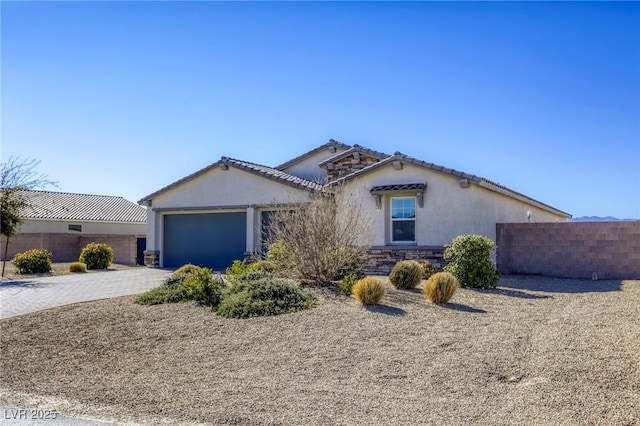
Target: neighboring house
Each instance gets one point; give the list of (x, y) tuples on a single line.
[(64, 223), (217, 214)]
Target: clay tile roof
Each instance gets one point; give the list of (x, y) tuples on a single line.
[(355, 148), (402, 187), (82, 207), (486, 183), (331, 143), (272, 173)]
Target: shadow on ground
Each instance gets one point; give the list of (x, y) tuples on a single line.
[(516, 293), (463, 308), (20, 283), (557, 285), (385, 309)]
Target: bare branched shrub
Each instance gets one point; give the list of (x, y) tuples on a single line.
[(324, 237)]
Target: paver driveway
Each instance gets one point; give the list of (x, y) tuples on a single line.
[(31, 295)]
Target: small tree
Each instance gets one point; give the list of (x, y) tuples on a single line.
[(17, 176), (325, 236)]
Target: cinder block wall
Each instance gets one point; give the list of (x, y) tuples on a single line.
[(572, 249), (67, 247)]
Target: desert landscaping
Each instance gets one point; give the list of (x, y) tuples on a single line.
[(534, 350)]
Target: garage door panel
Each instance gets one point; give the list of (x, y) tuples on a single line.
[(213, 240)]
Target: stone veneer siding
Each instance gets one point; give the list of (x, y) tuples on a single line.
[(606, 250), (382, 259), (348, 165)]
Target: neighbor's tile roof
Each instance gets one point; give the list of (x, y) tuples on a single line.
[(82, 207), (331, 143)]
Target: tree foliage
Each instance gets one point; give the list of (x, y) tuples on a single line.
[(17, 176)]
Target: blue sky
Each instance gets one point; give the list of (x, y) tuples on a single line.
[(123, 98)]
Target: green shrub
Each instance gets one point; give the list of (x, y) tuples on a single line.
[(263, 297), (369, 290), (163, 294), (77, 267), (440, 287), (96, 256), (346, 283), (175, 279), (252, 275), (203, 286), (238, 267), (470, 262), (198, 285), (406, 274), (280, 256), (240, 271), (33, 261), (186, 269), (262, 265), (170, 291), (427, 269)]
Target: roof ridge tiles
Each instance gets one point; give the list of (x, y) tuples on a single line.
[(72, 193), (330, 143), (355, 148), (271, 172)]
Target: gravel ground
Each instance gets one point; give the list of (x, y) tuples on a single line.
[(534, 351)]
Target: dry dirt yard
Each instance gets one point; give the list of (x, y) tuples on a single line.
[(534, 351)]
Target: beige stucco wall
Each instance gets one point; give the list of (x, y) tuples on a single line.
[(449, 210), (62, 227), (219, 190), (308, 167)]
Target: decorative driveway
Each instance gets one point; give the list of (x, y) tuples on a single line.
[(20, 297)]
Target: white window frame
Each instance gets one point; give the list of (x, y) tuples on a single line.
[(413, 219)]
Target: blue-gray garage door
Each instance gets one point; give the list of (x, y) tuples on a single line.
[(213, 240)]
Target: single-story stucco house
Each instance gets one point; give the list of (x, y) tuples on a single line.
[(216, 214), (63, 223)]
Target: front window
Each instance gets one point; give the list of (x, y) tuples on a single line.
[(403, 219)]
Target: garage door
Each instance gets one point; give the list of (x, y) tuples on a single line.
[(213, 240)]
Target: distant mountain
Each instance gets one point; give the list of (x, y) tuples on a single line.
[(598, 219)]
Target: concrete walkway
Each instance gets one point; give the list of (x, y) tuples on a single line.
[(20, 297)]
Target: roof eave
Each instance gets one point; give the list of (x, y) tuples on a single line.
[(484, 183)]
